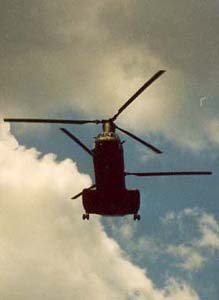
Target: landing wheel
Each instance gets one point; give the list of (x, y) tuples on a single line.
[(85, 216), (136, 217)]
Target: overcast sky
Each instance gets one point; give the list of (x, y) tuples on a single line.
[(77, 55), (83, 59)]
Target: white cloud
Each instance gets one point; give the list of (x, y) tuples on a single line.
[(179, 290), (127, 231), (209, 228), (46, 250), (212, 130), (196, 251), (192, 259), (169, 217)]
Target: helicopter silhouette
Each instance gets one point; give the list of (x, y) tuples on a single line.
[(109, 195)]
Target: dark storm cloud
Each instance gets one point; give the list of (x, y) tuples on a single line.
[(184, 34), (90, 56), (40, 43)]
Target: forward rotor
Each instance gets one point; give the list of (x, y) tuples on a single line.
[(108, 124)]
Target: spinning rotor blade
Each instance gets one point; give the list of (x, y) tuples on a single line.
[(139, 140), (79, 194), (74, 138), (170, 173), (51, 121), (139, 91)]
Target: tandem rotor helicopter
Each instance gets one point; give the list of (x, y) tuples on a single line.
[(109, 195)]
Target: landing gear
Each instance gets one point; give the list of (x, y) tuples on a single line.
[(136, 217), (85, 216)]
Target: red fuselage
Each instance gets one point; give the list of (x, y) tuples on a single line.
[(110, 196)]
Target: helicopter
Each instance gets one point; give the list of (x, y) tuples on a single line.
[(109, 195)]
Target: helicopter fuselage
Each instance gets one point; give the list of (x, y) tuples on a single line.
[(110, 196), (109, 162)]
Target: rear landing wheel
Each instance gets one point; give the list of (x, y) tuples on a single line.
[(136, 217), (85, 216)]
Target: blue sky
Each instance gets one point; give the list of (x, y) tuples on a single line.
[(71, 60), (147, 242)]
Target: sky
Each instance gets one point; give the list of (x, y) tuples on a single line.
[(71, 59)]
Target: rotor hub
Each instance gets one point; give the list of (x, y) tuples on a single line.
[(108, 126)]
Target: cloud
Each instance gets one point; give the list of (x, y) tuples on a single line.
[(89, 58), (212, 130), (190, 239), (192, 260), (196, 251), (179, 290), (46, 250), (209, 228)]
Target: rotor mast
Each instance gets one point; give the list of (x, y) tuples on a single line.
[(108, 126)]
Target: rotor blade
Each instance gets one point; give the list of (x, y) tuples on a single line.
[(170, 173), (139, 91), (79, 194), (139, 140), (74, 138), (18, 120)]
